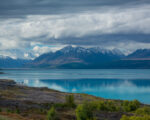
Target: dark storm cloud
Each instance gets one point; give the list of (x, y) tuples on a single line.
[(105, 39), (18, 8)]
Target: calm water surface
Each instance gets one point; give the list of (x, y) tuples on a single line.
[(114, 84)]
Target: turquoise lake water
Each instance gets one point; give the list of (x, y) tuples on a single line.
[(124, 84)]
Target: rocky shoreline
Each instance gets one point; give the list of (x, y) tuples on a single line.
[(14, 96), (11, 90)]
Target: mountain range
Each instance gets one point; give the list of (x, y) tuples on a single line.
[(76, 57), (141, 54), (79, 58), (7, 62)]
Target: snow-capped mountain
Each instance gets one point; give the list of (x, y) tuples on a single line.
[(140, 54), (76, 56), (69, 49), (79, 57)]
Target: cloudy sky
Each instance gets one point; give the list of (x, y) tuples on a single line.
[(29, 28)]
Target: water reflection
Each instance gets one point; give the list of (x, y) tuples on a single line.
[(107, 88)]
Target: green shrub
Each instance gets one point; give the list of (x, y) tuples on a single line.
[(124, 117), (85, 112), (70, 101), (8, 110), (129, 106), (143, 111), (110, 106), (107, 106), (146, 117), (17, 111), (0, 110), (136, 104), (42, 111), (60, 105), (51, 115), (126, 107), (102, 106)]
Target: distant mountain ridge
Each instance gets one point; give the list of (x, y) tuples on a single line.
[(140, 54), (76, 56), (83, 58), (7, 62)]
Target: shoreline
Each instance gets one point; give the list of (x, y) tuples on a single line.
[(49, 89), (32, 103), (4, 83)]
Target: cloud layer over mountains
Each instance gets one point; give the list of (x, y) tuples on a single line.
[(49, 25)]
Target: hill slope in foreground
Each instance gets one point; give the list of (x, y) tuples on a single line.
[(19, 102)]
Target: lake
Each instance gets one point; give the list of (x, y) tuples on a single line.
[(124, 84)]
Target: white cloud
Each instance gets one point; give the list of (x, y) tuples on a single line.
[(38, 50), (133, 20), (44, 49), (20, 33)]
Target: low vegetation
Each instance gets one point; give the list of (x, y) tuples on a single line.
[(70, 101), (85, 111), (129, 106), (143, 111), (51, 115), (145, 117)]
